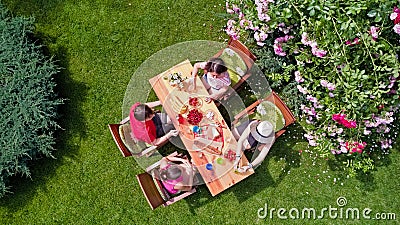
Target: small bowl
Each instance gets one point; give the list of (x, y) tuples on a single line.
[(184, 109)]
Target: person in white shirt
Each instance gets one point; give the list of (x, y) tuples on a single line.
[(216, 78), (253, 134)]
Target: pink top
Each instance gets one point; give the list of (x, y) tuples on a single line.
[(170, 184), (143, 131)]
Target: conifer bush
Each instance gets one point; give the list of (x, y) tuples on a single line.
[(28, 103)]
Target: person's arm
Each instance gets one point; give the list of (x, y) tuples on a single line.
[(240, 145), (183, 185), (153, 104), (196, 67), (260, 158), (263, 153), (163, 162), (164, 138)]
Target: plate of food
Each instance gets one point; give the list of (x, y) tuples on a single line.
[(195, 102), (194, 116)]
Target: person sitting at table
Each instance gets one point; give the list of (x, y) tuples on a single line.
[(216, 78), (177, 174), (253, 134), (149, 126)]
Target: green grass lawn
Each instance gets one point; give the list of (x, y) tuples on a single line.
[(101, 44)]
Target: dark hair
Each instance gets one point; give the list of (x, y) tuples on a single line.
[(216, 65), (172, 173), (143, 112)]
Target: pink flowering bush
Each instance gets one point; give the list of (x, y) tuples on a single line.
[(342, 59)]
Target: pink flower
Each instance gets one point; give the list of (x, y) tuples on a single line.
[(247, 24), (260, 37), (236, 9), (331, 86), (348, 124), (298, 77), (374, 32), (228, 10), (279, 50), (262, 9), (278, 44), (386, 143), (231, 30), (324, 83), (312, 143), (304, 39), (311, 98), (331, 95), (356, 147), (393, 16), (264, 17), (338, 117), (302, 90), (355, 41), (319, 53), (396, 11), (396, 28)]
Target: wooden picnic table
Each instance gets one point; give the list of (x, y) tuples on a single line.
[(216, 170)]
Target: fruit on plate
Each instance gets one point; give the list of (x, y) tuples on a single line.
[(184, 109), (194, 101), (230, 155), (194, 117)]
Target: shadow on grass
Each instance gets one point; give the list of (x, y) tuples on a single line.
[(72, 125), (37, 8), (284, 148)]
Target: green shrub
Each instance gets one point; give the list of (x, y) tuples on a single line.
[(339, 63), (28, 104)]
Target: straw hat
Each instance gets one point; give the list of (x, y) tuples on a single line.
[(263, 132)]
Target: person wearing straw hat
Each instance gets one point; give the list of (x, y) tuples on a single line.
[(253, 134)]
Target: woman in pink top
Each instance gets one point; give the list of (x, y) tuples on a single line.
[(216, 78), (176, 177)]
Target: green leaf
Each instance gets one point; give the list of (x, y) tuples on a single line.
[(287, 13), (378, 18), (372, 13), (344, 26), (312, 12)]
